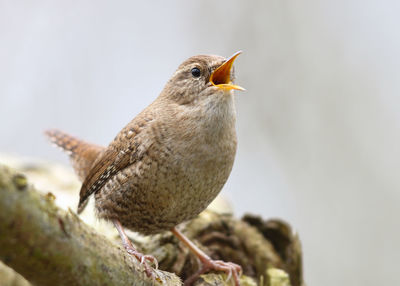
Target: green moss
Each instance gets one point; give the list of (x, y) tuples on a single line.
[(278, 277), (215, 279), (20, 181)]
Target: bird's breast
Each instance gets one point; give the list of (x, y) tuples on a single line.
[(188, 158), (203, 152)]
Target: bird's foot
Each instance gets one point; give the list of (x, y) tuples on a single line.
[(144, 260), (231, 269)]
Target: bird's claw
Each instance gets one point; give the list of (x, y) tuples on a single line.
[(149, 258), (144, 259), (231, 269)]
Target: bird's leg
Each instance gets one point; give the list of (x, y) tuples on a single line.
[(133, 251), (232, 269)]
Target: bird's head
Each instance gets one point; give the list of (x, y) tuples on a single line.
[(201, 77)]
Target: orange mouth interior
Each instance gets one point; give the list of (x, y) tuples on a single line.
[(221, 77)]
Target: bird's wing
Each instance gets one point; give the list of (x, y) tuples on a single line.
[(113, 160), (110, 163)]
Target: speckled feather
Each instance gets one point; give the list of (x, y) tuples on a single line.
[(82, 154), (171, 160)]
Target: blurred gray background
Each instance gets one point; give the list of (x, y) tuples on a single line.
[(318, 127)]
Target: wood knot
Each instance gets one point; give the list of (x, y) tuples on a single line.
[(50, 197), (20, 182)]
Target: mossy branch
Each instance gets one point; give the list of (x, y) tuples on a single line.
[(49, 246)]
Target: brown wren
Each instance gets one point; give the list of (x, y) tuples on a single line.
[(169, 162)]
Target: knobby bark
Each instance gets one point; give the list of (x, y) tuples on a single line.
[(50, 246)]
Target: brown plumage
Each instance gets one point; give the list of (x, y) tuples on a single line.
[(82, 154), (170, 161)]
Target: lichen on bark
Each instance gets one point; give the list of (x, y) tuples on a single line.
[(51, 246)]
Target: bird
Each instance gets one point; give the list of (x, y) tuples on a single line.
[(167, 164)]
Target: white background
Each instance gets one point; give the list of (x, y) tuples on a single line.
[(318, 128)]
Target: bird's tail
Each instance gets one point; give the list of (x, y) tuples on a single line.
[(81, 153)]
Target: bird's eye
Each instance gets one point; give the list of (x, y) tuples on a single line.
[(196, 72)]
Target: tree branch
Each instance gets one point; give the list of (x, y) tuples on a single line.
[(49, 246)]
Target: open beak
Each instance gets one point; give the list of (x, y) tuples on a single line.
[(221, 77)]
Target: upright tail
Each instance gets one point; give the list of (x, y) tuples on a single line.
[(82, 154)]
